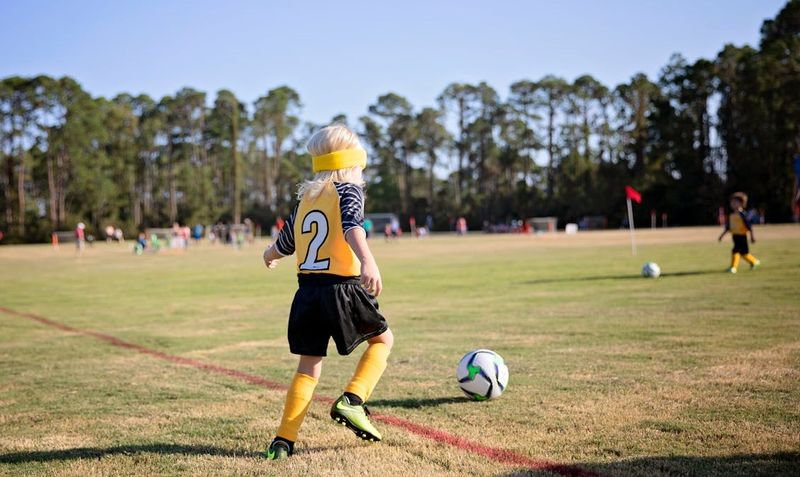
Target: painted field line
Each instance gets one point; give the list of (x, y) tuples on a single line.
[(496, 454)]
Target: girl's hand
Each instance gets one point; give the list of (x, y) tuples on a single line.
[(269, 258), (371, 277)]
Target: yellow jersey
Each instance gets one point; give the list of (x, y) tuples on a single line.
[(315, 231), (738, 223)]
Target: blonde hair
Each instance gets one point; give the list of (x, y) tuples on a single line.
[(741, 197), (335, 137)]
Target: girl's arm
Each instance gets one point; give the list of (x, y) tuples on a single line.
[(284, 246), (370, 275), (724, 230), (271, 256)]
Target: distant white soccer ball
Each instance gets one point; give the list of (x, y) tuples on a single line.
[(651, 270), (482, 374)]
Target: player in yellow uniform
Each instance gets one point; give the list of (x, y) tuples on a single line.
[(338, 282), (738, 225)]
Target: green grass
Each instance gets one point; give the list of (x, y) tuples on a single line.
[(695, 373)]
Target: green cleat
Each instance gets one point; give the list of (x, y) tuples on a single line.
[(755, 265), (355, 417), (279, 449), (731, 270)]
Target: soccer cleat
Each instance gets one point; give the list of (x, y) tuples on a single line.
[(279, 449), (731, 270), (755, 265), (355, 417)]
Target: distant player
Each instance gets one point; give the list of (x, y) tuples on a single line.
[(338, 282), (80, 237), (738, 225)]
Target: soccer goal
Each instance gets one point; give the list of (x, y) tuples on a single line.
[(543, 224), (63, 236)]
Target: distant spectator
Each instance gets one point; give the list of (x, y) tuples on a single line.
[(248, 231), (461, 226), (118, 235), (412, 225), (141, 244), (429, 222), (197, 232), (80, 237), (185, 235), (109, 233), (394, 225)]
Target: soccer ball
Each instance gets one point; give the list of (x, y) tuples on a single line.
[(482, 374), (651, 270)]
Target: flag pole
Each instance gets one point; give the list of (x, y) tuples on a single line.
[(630, 225)]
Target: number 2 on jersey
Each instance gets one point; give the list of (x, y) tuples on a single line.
[(312, 261)]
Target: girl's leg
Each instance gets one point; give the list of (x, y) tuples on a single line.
[(735, 260), (298, 397), (370, 368)]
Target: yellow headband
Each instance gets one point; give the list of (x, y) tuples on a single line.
[(340, 160)]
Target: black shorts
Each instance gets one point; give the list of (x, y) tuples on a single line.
[(740, 245), (328, 306)]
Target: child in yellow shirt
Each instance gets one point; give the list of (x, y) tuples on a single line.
[(338, 282), (738, 225)]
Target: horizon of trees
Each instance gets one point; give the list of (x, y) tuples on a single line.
[(549, 147)]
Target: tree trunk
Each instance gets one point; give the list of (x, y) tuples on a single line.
[(52, 193), (9, 180), (21, 194), (173, 199), (137, 207), (431, 164), (237, 200), (551, 112), (61, 194), (147, 203), (461, 142), (267, 174), (276, 170), (409, 204)]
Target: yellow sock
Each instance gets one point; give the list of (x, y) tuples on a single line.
[(298, 398), (750, 259), (735, 260), (369, 370)]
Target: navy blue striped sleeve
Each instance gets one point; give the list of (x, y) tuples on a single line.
[(285, 243), (351, 204), (746, 219)]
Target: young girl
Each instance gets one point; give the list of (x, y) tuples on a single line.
[(338, 282), (739, 225)]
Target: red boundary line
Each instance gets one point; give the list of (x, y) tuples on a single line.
[(494, 453)]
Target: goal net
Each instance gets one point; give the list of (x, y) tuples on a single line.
[(543, 224)]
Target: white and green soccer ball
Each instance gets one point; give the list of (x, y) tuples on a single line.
[(651, 270), (482, 374)]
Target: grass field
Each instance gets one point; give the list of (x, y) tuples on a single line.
[(695, 373)]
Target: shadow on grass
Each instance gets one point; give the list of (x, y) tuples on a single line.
[(98, 452), (413, 403), (757, 465), (618, 277)]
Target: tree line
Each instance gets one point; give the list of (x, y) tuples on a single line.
[(547, 147)]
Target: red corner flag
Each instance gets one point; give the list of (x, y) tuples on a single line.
[(631, 194)]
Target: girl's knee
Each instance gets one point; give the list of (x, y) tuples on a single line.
[(386, 338), (310, 366)]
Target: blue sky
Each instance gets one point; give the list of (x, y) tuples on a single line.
[(341, 55)]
